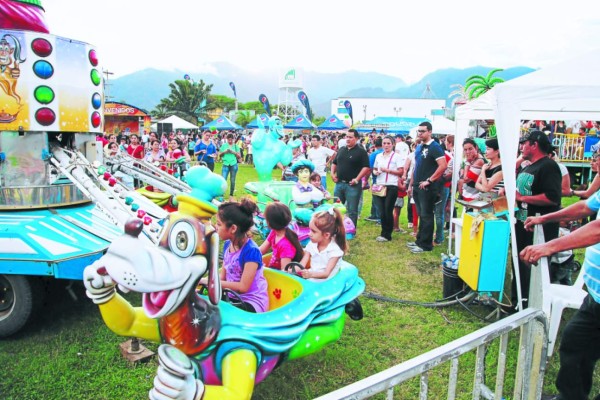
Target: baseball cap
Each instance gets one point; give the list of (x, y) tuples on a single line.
[(400, 135), (538, 137)]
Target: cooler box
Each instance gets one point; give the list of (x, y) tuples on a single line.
[(482, 263)]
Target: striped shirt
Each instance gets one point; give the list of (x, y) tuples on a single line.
[(591, 264)]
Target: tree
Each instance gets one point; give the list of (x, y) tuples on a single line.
[(187, 100), (223, 102), (318, 120), (476, 85), (160, 112), (244, 119)]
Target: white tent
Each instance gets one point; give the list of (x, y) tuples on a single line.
[(570, 90), (443, 126), (178, 123)]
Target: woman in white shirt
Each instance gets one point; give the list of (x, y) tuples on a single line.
[(387, 168)]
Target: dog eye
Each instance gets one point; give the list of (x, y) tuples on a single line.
[(182, 239)]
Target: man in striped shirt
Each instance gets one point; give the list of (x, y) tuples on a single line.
[(580, 343)]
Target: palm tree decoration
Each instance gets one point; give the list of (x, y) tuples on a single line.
[(476, 85), (459, 94)]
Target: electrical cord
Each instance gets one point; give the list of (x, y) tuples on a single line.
[(442, 303)]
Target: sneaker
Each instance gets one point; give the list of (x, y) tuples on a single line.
[(399, 230), (413, 234), (381, 239), (416, 250), (372, 219), (412, 244), (410, 225)]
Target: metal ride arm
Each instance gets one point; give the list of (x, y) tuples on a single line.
[(149, 173), (109, 199)]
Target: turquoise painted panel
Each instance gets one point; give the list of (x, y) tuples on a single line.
[(493, 256)]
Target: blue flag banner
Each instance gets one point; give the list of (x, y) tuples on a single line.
[(304, 101), (263, 99), (233, 88), (349, 108)]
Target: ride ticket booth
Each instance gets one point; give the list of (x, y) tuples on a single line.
[(125, 119)]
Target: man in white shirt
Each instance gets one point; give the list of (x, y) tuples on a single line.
[(342, 140), (401, 148), (321, 157)]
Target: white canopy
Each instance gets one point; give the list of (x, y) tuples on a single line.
[(178, 123), (570, 90)]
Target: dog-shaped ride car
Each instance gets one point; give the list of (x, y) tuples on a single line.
[(210, 349)]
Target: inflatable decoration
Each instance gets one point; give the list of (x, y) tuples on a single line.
[(268, 149), (210, 349)]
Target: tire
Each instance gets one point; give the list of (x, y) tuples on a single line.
[(16, 303)]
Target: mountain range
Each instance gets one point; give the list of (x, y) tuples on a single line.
[(144, 89)]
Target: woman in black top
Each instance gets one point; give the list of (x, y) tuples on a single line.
[(491, 178)]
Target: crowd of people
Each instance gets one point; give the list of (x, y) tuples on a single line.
[(400, 172)]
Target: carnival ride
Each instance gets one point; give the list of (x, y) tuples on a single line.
[(212, 349), (58, 211)]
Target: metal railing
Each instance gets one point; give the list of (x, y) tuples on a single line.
[(529, 375), (572, 147)]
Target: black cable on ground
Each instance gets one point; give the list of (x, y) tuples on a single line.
[(437, 304)]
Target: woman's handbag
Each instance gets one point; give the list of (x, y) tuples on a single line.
[(379, 190)]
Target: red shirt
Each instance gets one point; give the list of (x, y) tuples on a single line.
[(136, 152)]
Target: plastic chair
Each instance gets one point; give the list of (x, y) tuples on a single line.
[(558, 297)]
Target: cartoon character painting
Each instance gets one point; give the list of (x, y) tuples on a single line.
[(212, 350), (10, 59)]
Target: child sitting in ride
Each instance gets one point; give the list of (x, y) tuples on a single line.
[(284, 241), (326, 247), (315, 180), (242, 260)]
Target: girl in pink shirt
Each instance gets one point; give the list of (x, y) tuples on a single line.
[(282, 240)]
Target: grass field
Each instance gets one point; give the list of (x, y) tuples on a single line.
[(68, 353)]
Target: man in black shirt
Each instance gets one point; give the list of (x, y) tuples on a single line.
[(350, 165), (426, 184), (538, 191)]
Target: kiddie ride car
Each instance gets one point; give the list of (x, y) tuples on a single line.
[(212, 350)]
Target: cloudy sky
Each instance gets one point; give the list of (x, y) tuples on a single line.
[(407, 39)]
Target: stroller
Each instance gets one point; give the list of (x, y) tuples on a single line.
[(563, 264)]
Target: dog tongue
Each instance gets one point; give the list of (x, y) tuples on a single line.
[(158, 299)]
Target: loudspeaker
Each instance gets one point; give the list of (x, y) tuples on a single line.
[(164, 128)]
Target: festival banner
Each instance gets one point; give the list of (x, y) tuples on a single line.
[(304, 101), (263, 99), (233, 88), (349, 108)]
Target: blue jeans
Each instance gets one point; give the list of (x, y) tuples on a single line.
[(227, 169), (439, 211), (324, 181), (350, 196)]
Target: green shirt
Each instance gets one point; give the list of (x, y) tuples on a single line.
[(229, 158)]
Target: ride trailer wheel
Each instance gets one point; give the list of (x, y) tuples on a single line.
[(16, 303)]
